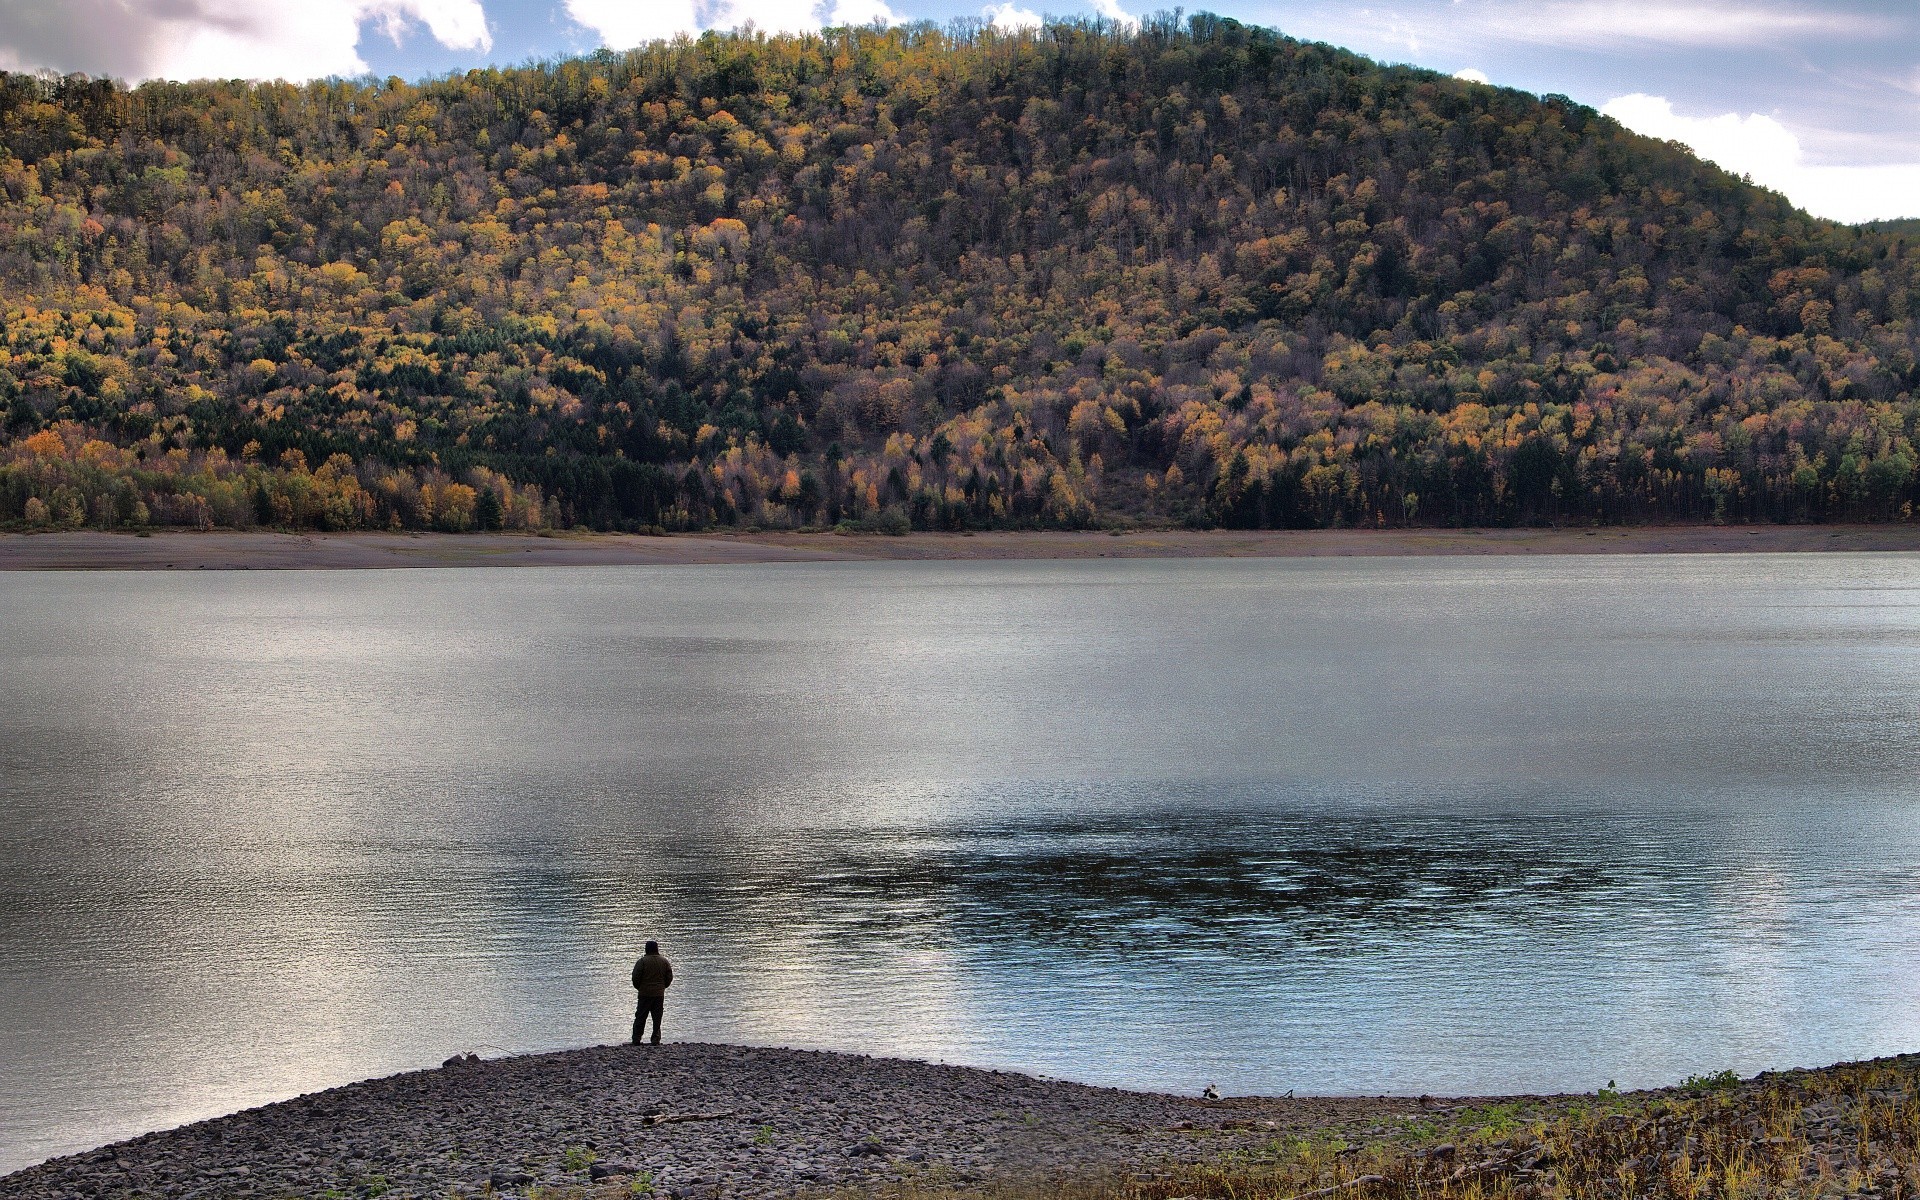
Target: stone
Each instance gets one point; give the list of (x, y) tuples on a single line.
[(606, 1170)]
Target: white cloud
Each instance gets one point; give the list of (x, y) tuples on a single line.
[(1010, 16), (625, 23), (1768, 151), (1111, 10), (1472, 75), (861, 12), (195, 39), (1599, 23)]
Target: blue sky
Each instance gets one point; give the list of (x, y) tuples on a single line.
[(1818, 99)]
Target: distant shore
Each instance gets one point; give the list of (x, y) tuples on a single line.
[(241, 551)]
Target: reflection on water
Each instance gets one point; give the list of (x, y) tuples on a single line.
[(1350, 826)]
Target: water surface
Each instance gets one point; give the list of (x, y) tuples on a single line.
[(1362, 825)]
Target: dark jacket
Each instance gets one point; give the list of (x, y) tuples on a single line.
[(652, 975)]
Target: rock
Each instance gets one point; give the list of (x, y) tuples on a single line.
[(510, 1179), (606, 1170)]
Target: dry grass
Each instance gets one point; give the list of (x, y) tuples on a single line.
[(1845, 1131), (1851, 1130)]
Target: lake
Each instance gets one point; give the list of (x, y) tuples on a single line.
[(1416, 825)]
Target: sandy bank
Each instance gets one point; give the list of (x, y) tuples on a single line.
[(221, 551), (693, 1120)]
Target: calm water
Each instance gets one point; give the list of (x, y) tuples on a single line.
[(1413, 825)]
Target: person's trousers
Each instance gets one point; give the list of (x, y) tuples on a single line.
[(649, 1006)]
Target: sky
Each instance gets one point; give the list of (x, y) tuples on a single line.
[(1818, 99)]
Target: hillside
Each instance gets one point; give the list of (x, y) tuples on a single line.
[(1199, 273)]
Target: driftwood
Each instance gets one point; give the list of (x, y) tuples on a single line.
[(1481, 1168), (1362, 1181), (1463, 1172)]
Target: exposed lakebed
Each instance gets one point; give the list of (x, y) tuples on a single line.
[(683, 1122)]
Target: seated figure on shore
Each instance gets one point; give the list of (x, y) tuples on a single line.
[(652, 976)]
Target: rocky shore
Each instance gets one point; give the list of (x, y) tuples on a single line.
[(702, 1122), (679, 1120)]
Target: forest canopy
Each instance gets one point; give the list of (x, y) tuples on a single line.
[(1194, 272)]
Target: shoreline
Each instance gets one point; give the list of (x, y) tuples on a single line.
[(701, 1121), (697, 1120), (185, 550)]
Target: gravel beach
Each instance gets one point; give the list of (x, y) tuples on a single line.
[(685, 1120), (697, 1122)]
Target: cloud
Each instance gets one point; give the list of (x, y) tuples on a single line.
[(862, 12), (625, 23), (1600, 23), (1010, 16), (1648, 36), (196, 39), (1472, 75), (1763, 148)]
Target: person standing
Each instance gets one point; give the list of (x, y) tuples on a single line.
[(652, 976)]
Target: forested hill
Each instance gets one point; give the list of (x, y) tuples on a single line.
[(1196, 273)]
